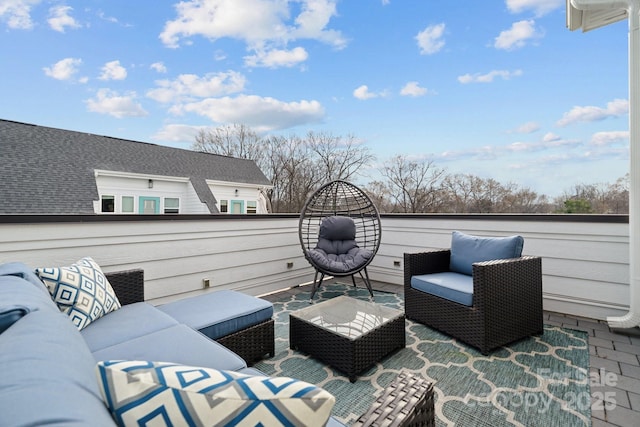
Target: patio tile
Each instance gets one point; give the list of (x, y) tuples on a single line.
[(628, 384), (627, 348), (613, 336), (620, 356), (598, 363), (635, 401), (622, 417), (631, 371), (601, 342)]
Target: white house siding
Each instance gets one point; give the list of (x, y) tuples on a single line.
[(237, 192), (109, 183), (585, 264)]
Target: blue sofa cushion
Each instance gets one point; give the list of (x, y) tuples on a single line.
[(179, 344), (80, 290), (448, 285), (220, 313), (116, 327), (47, 374), (467, 249), (21, 271), (158, 393), (18, 297)]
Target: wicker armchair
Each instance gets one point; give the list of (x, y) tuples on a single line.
[(507, 300), (342, 216)]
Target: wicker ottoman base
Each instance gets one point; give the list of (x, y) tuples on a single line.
[(348, 354), (252, 343)]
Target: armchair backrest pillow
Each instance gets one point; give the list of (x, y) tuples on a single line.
[(467, 249)]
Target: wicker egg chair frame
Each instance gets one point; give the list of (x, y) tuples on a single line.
[(340, 198)]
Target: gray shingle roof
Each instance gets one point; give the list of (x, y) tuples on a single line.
[(51, 171)]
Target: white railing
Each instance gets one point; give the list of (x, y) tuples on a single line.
[(585, 258)]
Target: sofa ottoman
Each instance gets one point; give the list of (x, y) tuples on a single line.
[(242, 323)]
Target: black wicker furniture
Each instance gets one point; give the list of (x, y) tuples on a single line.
[(252, 343), (347, 334), (506, 304), (391, 409), (407, 402), (340, 231)]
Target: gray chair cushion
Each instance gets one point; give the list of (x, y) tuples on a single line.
[(343, 263), (337, 250)]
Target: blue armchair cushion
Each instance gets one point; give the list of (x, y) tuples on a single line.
[(157, 393), (451, 286), (467, 249)]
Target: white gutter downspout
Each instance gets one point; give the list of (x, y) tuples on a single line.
[(632, 318)]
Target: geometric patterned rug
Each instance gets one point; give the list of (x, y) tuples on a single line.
[(539, 381)]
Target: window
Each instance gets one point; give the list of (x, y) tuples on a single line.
[(171, 205), (108, 204), (127, 204), (224, 206), (252, 207)]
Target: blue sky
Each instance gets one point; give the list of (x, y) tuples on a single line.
[(496, 88)]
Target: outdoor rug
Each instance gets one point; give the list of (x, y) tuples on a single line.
[(540, 381)]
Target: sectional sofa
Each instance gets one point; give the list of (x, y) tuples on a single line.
[(54, 373)]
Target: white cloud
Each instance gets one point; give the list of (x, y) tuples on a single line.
[(59, 18), (277, 58), (177, 133), (550, 137), (517, 36), (264, 25), (159, 67), (110, 102), (188, 86), (363, 93), (413, 89), (113, 71), (17, 13), (64, 69), (260, 113), (489, 77), (615, 108), (539, 7), (430, 39), (528, 127), (610, 137)]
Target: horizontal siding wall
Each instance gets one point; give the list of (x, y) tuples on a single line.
[(234, 252), (585, 259)]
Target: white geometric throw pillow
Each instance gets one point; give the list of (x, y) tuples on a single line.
[(158, 393), (80, 290)]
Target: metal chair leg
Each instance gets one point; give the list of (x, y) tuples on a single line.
[(316, 284), (366, 280)]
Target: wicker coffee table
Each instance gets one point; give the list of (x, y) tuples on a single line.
[(347, 334)]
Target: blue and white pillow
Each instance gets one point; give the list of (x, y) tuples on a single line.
[(80, 290), (158, 393)]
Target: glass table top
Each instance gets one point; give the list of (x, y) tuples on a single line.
[(347, 316)]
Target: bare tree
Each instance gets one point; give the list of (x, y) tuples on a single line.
[(340, 157), (295, 166), (412, 185), (235, 140)]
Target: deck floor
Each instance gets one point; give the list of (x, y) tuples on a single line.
[(614, 363)]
